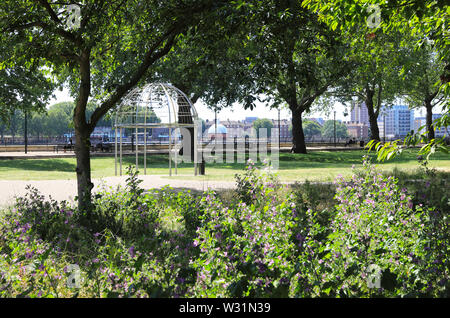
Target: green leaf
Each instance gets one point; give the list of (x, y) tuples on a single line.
[(138, 263)]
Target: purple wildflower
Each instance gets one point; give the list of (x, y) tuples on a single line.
[(131, 251)]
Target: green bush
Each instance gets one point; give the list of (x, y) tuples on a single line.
[(264, 240), (375, 226), (246, 250)]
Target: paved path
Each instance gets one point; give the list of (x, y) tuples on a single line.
[(67, 189)]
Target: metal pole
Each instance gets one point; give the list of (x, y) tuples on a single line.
[(145, 150), (176, 155), (170, 154), (132, 138), (120, 150), (279, 130), (334, 121), (115, 150), (26, 132), (215, 130), (384, 128), (195, 149), (137, 150)]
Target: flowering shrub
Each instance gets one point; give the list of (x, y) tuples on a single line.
[(246, 250), (375, 225), (251, 186), (126, 251), (267, 241)]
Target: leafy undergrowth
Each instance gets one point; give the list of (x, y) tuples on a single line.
[(368, 236)]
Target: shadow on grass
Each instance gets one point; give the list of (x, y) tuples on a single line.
[(39, 165), (288, 161), (314, 159)]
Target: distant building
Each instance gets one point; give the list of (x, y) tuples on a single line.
[(359, 131), (359, 113), (217, 131), (284, 128), (250, 119), (237, 128), (422, 121), (319, 120), (159, 134), (399, 120), (103, 133)]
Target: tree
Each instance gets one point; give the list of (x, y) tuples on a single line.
[(263, 123), (422, 74), (328, 129), (38, 125), (60, 118), (210, 65), (102, 58), (311, 128), (375, 79), (295, 59), (424, 20), (15, 123), (22, 88)]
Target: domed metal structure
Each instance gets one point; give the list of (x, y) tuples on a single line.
[(217, 129), (157, 105)]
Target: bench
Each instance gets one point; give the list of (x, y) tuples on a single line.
[(64, 147), (101, 147)]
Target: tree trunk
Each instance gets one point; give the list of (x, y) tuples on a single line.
[(83, 156), (82, 138), (373, 116), (429, 119), (298, 137)]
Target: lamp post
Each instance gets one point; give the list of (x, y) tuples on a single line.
[(26, 132), (279, 130), (215, 130), (132, 137), (334, 124)]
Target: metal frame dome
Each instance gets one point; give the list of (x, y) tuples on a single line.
[(156, 105)]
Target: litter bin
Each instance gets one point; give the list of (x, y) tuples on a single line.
[(361, 143), (202, 168)]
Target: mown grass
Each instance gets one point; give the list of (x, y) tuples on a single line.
[(315, 166)]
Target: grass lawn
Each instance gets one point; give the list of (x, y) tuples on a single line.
[(315, 166)]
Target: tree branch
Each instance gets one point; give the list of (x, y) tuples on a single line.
[(50, 11), (121, 90), (44, 26)]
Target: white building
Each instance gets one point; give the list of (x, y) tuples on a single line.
[(399, 120), (422, 121)]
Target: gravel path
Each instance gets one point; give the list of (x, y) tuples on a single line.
[(67, 189)]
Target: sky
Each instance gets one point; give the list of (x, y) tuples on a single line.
[(236, 112)]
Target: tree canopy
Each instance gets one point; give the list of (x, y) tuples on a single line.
[(311, 128), (103, 55), (263, 123), (328, 129), (424, 21)]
